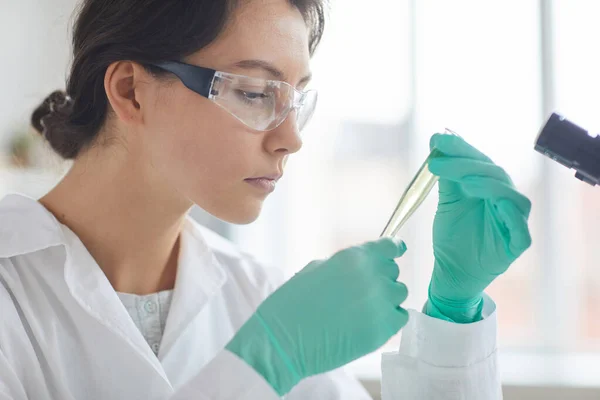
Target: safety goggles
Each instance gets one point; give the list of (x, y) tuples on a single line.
[(260, 104)]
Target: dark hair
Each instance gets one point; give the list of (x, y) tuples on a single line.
[(107, 31)]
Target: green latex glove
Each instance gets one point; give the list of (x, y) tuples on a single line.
[(480, 228), (330, 313)]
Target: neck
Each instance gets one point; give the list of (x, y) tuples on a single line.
[(128, 219)]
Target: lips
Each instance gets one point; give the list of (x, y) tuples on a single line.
[(266, 185)]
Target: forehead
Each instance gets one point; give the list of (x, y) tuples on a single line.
[(269, 30)]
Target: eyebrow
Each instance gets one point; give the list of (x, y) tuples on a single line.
[(270, 68)]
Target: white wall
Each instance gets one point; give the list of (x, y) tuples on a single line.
[(35, 53)]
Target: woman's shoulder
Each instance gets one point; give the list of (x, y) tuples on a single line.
[(26, 226), (11, 323)]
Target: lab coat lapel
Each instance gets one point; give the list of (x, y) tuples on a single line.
[(200, 276), (92, 290)]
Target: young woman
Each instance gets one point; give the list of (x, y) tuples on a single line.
[(109, 291)]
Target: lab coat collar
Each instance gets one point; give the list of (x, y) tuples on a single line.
[(27, 226), (200, 276), (19, 217)]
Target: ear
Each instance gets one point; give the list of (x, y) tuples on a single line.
[(122, 82)]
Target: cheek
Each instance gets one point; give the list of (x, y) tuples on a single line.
[(201, 148)]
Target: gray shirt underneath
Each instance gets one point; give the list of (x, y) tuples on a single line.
[(149, 313)]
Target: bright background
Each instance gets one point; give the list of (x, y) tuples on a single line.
[(390, 73)]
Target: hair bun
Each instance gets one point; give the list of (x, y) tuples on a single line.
[(57, 103), (52, 119)]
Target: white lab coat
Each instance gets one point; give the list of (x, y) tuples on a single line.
[(65, 335)]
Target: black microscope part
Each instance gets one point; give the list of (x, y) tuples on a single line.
[(572, 146)]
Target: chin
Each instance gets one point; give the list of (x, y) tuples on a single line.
[(239, 216), (243, 219), (239, 209)]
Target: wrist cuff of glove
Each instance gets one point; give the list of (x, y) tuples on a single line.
[(458, 312), (257, 346)]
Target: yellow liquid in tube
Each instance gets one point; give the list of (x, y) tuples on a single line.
[(413, 196), (416, 192)]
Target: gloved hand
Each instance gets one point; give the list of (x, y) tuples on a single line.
[(332, 312), (480, 228)]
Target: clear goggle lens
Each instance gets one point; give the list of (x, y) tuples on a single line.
[(261, 104)]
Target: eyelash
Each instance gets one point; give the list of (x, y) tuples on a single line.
[(250, 97)]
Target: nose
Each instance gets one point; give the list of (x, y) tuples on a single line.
[(285, 138)]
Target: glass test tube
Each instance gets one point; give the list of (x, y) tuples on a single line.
[(414, 195)]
